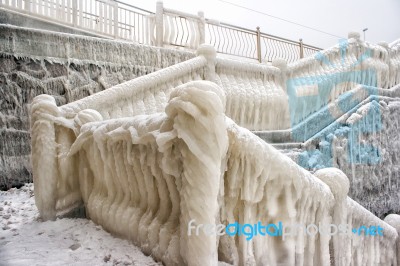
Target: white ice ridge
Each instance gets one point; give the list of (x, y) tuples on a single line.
[(145, 177)]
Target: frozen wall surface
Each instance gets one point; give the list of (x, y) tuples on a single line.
[(68, 67)]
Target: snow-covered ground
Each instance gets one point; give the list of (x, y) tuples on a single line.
[(24, 240)]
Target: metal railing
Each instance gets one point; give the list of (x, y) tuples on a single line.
[(104, 17), (166, 27), (181, 29), (232, 40)]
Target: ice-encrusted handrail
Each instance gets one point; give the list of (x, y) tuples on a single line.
[(257, 188), (366, 231), (256, 95), (351, 55), (132, 98), (382, 247), (335, 72), (339, 69), (147, 177), (395, 44), (134, 89)]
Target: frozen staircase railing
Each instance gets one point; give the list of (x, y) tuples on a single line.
[(323, 88), (146, 177), (144, 95), (150, 93)]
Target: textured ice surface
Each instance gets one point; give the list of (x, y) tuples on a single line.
[(363, 144), (256, 97), (145, 177), (145, 158), (343, 111)]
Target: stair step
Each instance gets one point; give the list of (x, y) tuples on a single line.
[(288, 145)]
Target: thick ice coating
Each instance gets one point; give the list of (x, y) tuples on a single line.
[(173, 148), (147, 177)]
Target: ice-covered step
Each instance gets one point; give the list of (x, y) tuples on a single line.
[(276, 136), (288, 146)]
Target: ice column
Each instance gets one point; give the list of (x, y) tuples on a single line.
[(196, 109), (44, 157), (209, 54), (86, 178), (339, 185), (394, 220)]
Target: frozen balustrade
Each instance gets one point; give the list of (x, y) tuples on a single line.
[(371, 241), (146, 177), (338, 70), (256, 96), (148, 156)]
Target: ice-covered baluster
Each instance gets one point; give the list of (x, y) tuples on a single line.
[(394, 220), (339, 185), (385, 79), (86, 177), (195, 108), (44, 157)]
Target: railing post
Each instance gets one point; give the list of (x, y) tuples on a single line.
[(282, 65), (159, 24), (116, 20), (75, 12), (202, 28), (339, 185), (301, 48), (210, 54), (150, 32), (258, 44), (394, 221), (27, 5)]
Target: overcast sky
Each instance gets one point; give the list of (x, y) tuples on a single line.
[(338, 17)]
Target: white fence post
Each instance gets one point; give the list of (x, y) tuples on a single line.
[(116, 20), (301, 45), (151, 26), (202, 27), (28, 6), (258, 44), (75, 12), (159, 24)]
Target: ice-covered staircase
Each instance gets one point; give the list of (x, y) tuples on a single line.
[(149, 178), (354, 132), (150, 155)]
